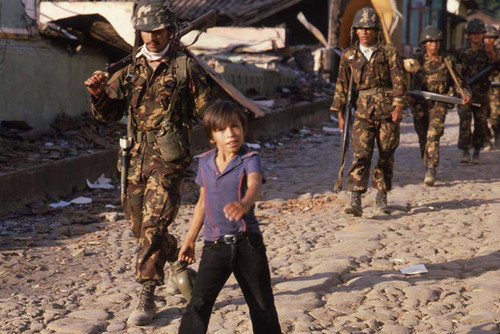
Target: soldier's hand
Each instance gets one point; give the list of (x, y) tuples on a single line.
[(96, 84), (466, 100), (410, 100), (340, 117), (397, 114)]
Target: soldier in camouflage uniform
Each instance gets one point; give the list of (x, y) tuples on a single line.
[(378, 76), (429, 116), (489, 40), (472, 60), (161, 90)]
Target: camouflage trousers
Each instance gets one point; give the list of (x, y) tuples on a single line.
[(151, 205), (495, 111), (364, 134), (466, 138), (429, 126)]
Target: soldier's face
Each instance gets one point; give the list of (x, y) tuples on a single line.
[(489, 40), (156, 40), (432, 47), (476, 38), (367, 36)]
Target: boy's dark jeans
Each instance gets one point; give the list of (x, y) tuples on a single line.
[(247, 260)]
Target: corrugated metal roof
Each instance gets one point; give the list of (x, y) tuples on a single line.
[(232, 12)]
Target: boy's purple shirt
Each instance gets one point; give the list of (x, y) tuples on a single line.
[(223, 188)]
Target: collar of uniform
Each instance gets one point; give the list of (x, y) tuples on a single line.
[(427, 57)]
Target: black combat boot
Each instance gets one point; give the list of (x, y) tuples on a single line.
[(430, 176), (354, 208), (475, 156), (465, 156), (145, 311), (381, 202)]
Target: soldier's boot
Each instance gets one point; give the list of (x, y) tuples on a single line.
[(465, 156), (145, 310), (381, 202), (488, 146), (430, 176), (354, 208), (497, 141), (475, 156)]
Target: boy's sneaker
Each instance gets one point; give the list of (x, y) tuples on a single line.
[(430, 176), (465, 156), (354, 208), (381, 202), (145, 311)]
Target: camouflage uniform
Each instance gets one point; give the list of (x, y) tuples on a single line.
[(429, 116), (494, 94), (380, 86), (470, 63), (154, 177)]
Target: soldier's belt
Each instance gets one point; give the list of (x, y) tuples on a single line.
[(372, 91)]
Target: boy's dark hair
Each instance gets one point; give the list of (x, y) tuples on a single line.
[(220, 114)]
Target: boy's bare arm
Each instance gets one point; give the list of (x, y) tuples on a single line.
[(186, 253), (236, 210)]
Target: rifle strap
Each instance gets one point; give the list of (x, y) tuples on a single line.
[(180, 66)]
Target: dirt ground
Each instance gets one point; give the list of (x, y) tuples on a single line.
[(70, 270)]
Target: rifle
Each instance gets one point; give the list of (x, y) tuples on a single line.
[(495, 84), (438, 97), (483, 72), (201, 23), (345, 134)]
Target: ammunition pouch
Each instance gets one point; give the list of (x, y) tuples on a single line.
[(173, 143)]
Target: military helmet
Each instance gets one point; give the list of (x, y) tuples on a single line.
[(430, 33), (153, 15), (475, 26), (491, 31), (366, 18)]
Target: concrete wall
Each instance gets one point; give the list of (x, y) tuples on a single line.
[(39, 81), (62, 177)]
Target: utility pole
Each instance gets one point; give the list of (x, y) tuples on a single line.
[(331, 60), (333, 19)]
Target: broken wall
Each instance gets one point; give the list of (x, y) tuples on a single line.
[(39, 81)]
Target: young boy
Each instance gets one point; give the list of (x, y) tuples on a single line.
[(230, 178)]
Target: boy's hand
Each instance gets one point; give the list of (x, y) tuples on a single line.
[(186, 253), (234, 211)]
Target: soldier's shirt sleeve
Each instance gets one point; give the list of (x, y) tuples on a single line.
[(112, 105), (198, 87), (342, 85), (398, 76)]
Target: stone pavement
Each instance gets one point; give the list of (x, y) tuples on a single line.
[(70, 270)]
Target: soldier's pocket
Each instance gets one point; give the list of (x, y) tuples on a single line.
[(173, 144)]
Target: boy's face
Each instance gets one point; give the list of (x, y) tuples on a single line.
[(229, 139)]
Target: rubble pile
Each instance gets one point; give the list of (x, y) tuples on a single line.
[(21, 146)]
